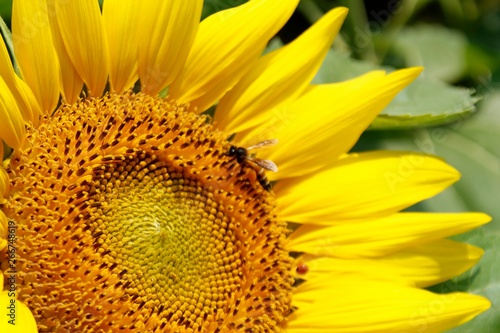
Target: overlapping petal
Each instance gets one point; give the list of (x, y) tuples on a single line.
[(363, 185), (347, 304), (4, 181), (279, 77), (382, 236), (3, 233), (34, 51), (121, 20), (82, 30), (434, 262), (170, 27), (28, 106), (321, 267), (215, 64), (420, 266), (12, 129), (70, 80)]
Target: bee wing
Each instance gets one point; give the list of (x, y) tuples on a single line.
[(265, 143), (266, 164)]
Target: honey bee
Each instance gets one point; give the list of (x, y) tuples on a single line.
[(260, 166)]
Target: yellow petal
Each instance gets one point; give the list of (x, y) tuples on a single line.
[(382, 236), (309, 129), (4, 182), (226, 46), (327, 268), (12, 125), (17, 318), (28, 106), (3, 236), (35, 52), (421, 266), (349, 305), (363, 185), (71, 82), (279, 77), (168, 29), (82, 31), (431, 263), (121, 21)]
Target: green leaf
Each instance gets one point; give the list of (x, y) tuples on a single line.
[(426, 102), (440, 50), (339, 66), (471, 146), (273, 45), (5, 9), (7, 37)]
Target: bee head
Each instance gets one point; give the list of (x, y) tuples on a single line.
[(232, 151)]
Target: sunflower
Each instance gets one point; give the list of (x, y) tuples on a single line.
[(126, 208)]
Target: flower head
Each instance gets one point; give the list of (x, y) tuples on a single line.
[(124, 210)]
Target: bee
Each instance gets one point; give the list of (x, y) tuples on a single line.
[(260, 166)]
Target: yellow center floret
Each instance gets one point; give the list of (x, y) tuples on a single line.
[(131, 216)]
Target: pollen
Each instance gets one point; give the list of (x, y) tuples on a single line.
[(131, 217)]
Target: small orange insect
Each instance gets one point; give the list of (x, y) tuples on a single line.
[(302, 268)]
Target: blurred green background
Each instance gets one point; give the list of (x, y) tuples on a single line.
[(452, 110)]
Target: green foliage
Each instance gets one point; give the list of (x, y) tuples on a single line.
[(5, 9), (443, 51)]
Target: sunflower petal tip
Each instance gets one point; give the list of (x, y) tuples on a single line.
[(408, 75), (453, 174), (485, 218), (342, 10), (476, 253), (416, 69), (475, 304), (479, 303)]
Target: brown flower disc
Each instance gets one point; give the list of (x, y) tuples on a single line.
[(131, 217)]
